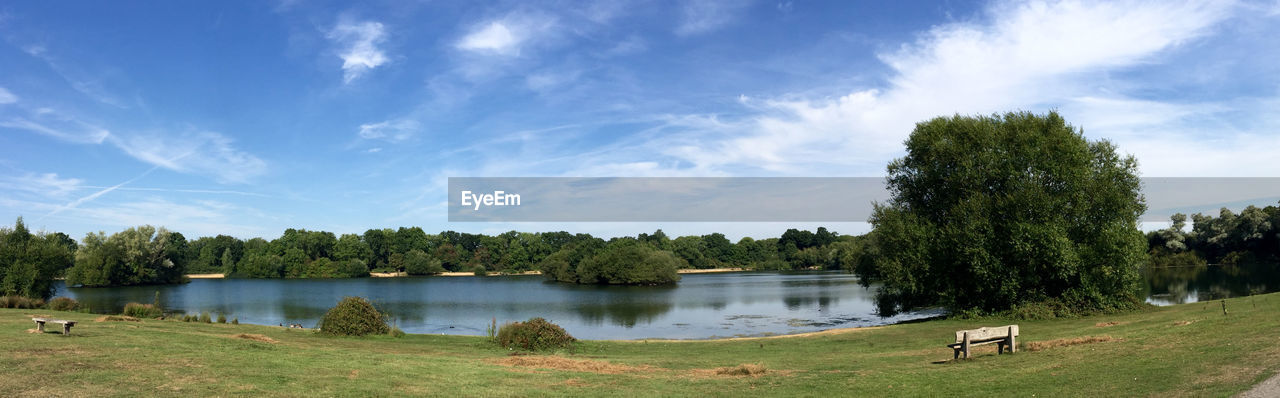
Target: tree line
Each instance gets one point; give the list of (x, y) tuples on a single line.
[(150, 255)]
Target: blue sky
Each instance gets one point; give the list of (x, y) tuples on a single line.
[(246, 118)]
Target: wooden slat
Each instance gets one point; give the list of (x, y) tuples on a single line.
[(987, 333)]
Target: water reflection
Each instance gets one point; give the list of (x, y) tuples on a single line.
[(701, 306), (1181, 285)]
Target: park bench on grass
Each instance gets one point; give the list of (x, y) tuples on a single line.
[(1003, 336), (66, 325)]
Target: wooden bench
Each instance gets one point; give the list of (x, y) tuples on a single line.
[(1003, 336), (66, 325)]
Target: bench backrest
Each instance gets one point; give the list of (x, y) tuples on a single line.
[(987, 333)]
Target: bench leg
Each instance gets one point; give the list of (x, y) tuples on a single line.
[(40, 326), (66, 329), (957, 353), (1013, 346), (999, 347), (965, 345)]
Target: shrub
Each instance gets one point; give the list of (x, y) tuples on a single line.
[(20, 302), (63, 304), (139, 310), (353, 316), (222, 318), (235, 321), (188, 318), (536, 334), (204, 317), (480, 271), (396, 332)]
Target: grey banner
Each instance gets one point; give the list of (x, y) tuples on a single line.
[(764, 199)]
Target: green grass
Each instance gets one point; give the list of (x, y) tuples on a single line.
[(1153, 352)]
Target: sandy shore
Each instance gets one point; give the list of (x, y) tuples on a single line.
[(402, 274), (827, 332)]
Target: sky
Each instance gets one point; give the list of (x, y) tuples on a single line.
[(249, 117)]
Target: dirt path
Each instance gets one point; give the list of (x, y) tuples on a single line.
[(1266, 389)]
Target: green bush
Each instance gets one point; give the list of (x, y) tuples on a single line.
[(222, 318), (204, 317), (628, 262), (353, 316), (20, 302), (536, 334), (480, 271), (139, 310), (63, 304), (235, 321), (396, 332)]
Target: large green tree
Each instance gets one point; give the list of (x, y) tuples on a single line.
[(992, 212), (28, 262), (135, 256)]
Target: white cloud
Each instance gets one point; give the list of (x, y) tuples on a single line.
[(506, 36), (390, 130), (7, 97), (204, 153), (495, 37), (44, 185), (359, 47), (702, 16), (60, 127), (1034, 55)]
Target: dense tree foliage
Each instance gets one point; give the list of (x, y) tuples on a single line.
[(135, 256), (621, 262), (1251, 236), (989, 213), (29, 262)]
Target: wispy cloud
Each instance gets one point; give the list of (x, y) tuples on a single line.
[(390, 130), (44, 185), (73, 204), (358, 47), (91, 84), (60, 127), (204, 153), (702, 16), (7, 97)]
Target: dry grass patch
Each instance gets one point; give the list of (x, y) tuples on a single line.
[(569, 364), (746, 369), (1108, 324), (1043, 345), (116, 318), (254, 337), (1183, 323)]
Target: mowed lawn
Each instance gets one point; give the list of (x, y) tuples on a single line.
[(1184, 350)]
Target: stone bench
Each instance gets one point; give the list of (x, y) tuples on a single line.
[(66, 325), (1003, 336)]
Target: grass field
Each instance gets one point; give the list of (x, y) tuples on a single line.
[(1185, 350)]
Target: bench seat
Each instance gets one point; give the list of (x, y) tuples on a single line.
[(66, 325)]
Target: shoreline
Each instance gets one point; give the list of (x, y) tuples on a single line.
[(458, 273)]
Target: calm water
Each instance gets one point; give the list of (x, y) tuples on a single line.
[(1167, 286), (701, 306)]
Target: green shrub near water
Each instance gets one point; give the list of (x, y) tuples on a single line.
[(139, 310), (235, 321), (63, 304), (222, 318), (353, 316), (536, 334)]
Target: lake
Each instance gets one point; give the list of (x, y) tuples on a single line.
[(701, 306), (1180, 285)]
